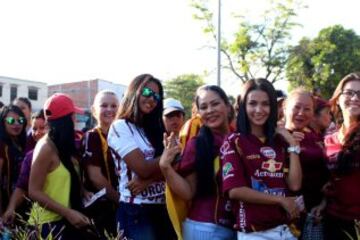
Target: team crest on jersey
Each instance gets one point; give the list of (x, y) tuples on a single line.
[(268, 152), (227, 168), (271, 165)]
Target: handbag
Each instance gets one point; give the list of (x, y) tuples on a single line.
[(312, 230)]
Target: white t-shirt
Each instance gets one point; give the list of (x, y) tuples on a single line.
[(125, 137)]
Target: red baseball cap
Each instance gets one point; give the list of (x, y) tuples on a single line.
[(59, 105)]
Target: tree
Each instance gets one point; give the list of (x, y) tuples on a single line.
[(320, 63), (183, 88), (256, 48)]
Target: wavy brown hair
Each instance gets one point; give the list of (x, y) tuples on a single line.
[(351, 146)]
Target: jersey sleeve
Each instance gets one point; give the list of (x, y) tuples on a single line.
[(231, 164), (121, 139), (92, 154)]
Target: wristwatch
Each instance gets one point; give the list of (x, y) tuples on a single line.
[(294, 149)]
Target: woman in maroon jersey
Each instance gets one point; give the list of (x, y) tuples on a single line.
[(260, 164), (199, 177), (299, 111), (342, 148), (98, 163)]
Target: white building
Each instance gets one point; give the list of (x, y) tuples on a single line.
[(11, 88)]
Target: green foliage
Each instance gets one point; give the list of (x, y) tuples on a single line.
[(256, 48), (324, 60), (183, 88)]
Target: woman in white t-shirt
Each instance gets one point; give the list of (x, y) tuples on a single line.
[(137, 138)]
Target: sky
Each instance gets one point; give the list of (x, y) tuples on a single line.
[(115, 40)]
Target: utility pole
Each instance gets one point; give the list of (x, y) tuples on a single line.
[(218, 48)]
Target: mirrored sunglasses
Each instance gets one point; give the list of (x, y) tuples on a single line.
[(147, 92), (12, 121)]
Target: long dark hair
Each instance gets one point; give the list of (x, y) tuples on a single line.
[(151, 123), (62, 133), (4, 136), (205, 152), (242, 121)]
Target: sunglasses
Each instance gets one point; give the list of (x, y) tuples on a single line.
[(147, 92), (12, 121)]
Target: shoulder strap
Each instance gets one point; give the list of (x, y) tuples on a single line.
[(105, 148)]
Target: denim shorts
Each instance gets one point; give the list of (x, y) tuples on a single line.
[(144, 221), (195, 230)]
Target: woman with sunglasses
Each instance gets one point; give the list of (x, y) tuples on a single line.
[(342, 193), (198, 176), (12, 145), (25, 105), (260, 164), (136, 138), (17, 201)]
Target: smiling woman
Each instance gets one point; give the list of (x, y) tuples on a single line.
[(256, 171), (136, 137), (342, 149), (12, 145)]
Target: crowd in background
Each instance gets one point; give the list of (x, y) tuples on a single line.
[(270, 166)]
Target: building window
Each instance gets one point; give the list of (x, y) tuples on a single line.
[(33, 93), (13, 93)]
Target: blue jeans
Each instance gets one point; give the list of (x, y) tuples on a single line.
[(144, 221), (195, 230)]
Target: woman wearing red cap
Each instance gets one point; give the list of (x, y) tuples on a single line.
[(54, 183)]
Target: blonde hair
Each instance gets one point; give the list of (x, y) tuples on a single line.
[(299, 91)]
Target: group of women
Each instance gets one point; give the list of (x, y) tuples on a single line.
[(261, 178)]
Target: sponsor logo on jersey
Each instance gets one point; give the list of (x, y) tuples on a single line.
[(268, 152), (271, 165)]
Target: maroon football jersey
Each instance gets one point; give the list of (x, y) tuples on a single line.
[(344, 195), (248, 162), (313, 165), (216, 208)]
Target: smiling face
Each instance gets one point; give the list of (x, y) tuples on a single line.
[(14, 128), (39, 128), (257, 108), (299, 111), (350, 103), (148, 103), (105, 108), (213, 110)]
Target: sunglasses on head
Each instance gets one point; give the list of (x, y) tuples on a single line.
[(148, 92), (12, 121)]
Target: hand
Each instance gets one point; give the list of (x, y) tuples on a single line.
[(298, 136), (289, 205), (287, 136), (316, 211), (9, 216), (172, 148), (77, 219), (87, 195), (137, 185)]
